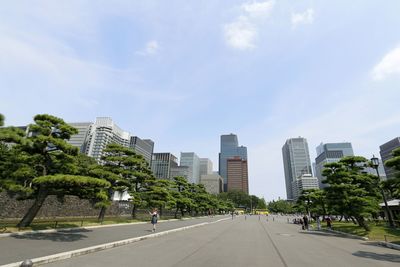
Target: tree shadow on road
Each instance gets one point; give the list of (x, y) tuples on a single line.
[(59, 236), (377, 256)]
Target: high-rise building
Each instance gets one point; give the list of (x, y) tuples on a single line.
[(328, 153), (191, 160), (229, 149), (161, 165), (386, 153), (93, 138), (206, 166), (303, 182), (212, 182), (104, 132), (182, 171), (143, 147), (81, 139), (296, 161), (237, 175)]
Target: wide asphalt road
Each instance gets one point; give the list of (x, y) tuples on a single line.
[(34, 245), (241, 242)]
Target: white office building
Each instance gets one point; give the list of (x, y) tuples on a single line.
[(191, 160), (206, 166), (303, 182), (213, 183)]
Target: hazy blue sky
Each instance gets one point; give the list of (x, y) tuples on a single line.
[(184, 72)]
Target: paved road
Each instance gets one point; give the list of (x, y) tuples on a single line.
[(20, 247), (241, 243)]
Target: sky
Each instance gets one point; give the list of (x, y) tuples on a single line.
[(182, 73)]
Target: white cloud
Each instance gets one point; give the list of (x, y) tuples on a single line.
[(151, 48), (240, 34), (259, 9), (389, 65), (306, 17)]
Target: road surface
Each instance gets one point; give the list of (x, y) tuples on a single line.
[(240, 242)]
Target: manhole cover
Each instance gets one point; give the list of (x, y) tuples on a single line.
[(285, 234)]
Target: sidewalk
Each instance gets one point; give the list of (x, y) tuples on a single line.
[(19, 247)]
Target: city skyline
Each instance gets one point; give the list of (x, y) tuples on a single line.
[(182, 74)]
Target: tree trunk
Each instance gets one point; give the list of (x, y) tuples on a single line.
[(101, 214), (133, 213), (362, 223), (34, 209), (176, 213)]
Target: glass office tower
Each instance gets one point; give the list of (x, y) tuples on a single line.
[(229, 149), (296, 162)]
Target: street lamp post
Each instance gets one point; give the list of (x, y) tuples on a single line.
[(375, 164)]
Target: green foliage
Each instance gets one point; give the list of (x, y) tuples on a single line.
[(281, 206), (42, 163), (351, 191), (158, 194), (1, 119), (242, 200), (312, 201), (182, 195)]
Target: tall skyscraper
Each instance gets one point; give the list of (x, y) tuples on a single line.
[(103, 132), (296, 161), (386, 153), (191, 160), (81, 139), (229, 149), (206, 166), (161, 165), (237, 174), (327, 153), (143, 147)]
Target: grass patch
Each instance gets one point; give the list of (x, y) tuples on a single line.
[(378, 231)]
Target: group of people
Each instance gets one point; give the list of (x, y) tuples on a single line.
[(305, 222)]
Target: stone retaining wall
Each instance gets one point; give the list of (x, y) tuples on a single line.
[(70, 206)]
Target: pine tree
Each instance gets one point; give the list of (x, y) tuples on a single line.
[(45, 164)]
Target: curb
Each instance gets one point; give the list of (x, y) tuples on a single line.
[(92, 249), (90, 227), (389, 245), (346, 234)]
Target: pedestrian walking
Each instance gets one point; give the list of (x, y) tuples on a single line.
[(154, 219), (318, 223)]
